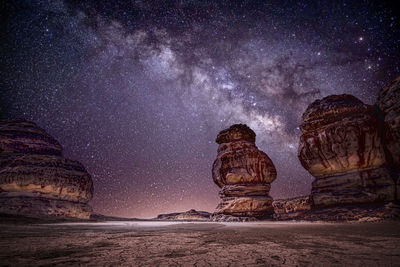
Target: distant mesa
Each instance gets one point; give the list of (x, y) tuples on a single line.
[(244, 174), (190, 215), (35, 179)]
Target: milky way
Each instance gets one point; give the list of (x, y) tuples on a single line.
[(138, 90)]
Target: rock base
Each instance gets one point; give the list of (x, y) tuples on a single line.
[(366, 186), (286, 209), (229, 218), (44, 207), (252, 206), (350, 213)]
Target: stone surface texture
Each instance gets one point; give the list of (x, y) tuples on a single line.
[(243, 173), (350, 213), (341, 147), (35, 179), (190, 215), (291, 208), (388, 103)]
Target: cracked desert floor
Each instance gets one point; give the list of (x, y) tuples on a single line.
[(200, 244)]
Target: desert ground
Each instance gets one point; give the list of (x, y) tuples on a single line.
[(155, 243)]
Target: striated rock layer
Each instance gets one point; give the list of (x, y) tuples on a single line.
[(35, 179), (347, 213), (243, 173), (190, 215), (388, 103), (341, 147), (20, 136), (285, 209)]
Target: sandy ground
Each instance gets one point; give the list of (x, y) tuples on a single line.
[(201, 244)]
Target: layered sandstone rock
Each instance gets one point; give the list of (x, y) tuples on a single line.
[(243, 173), (347, 213), (341, 147), (20, 136), (35, 179), (292, 208), (190, 215), (389, 105)]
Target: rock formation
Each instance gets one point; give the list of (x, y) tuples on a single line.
[(299, 209), (285, 209), (341, 147), (389, 105), (243, 173), (35, 179), (190, 215)]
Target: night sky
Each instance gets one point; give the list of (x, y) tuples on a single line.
[(138, 90)]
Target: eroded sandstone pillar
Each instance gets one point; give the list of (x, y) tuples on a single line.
[(244, 174), (341, 147)]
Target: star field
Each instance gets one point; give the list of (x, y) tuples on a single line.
[(138, 90)]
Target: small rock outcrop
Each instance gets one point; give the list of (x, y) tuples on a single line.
[(389, 105), (286, 209), (190, 215), (35, 179), (243, 173), (341, 147), (349, 213)]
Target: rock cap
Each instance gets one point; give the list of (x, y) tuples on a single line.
[(235, 133), (331, 108), (21, 136)]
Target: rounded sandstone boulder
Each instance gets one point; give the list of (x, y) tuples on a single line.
[(35, 179), (46, 177), (20, 136), (341, 146), (239, 161), (340, 134), (235, 133)]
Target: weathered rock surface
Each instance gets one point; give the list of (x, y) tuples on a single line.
[(20, 136), (35, 179), (44, 207), (285, 209), (389, 104), (341, 147), (229, 218), (190, 215), (347, 213), (243, 173)]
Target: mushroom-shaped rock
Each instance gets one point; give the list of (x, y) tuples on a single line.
[(243, 173), (35, 180), (341, 147)]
